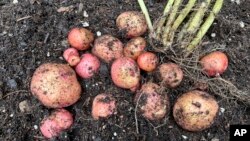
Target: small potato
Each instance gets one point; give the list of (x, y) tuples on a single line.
[(195, 110), (214, 63), (108, 48), (57, 122), (55, 85), (147, 61), (88, 66), (71, 55), (80, 38), (170, 74), (132, 23), (134, 47), (125, 73), (103, 106), (152, 102)]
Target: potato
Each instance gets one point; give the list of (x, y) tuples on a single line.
[(214, 63), (147, 61), (195, 110), (55, 85), (170, 74), (125, 73), (104, 105), (57, 122), (88, 66), (134, 47), (71, 55), (80, 38), (108, 48), (152, 102), (132, 23)]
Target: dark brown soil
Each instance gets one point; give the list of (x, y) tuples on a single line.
[(40, 37)]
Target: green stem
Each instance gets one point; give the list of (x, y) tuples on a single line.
[(170, 20), (178, 21), (183, 30), (195, 23), (145, 12), (162, 20), (205, 26)]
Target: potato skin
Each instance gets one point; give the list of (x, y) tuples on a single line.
[(108, 48), (214, 63), (80, 38), (153, 103), (147, 61), (104, 105), (125, 73), (55, 85), (58, 121), (133, 23), (71, 55), (134, 47), (170, 74), (88, 66), (195, 110)]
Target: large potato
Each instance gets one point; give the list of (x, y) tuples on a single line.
[(195, 110), (55, 85)]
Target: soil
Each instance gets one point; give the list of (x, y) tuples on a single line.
[(32, 32)]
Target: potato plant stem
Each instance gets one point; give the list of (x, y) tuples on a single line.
[(194, 23), (145, 12), (170, 21), (184, 12), (205, 26), (162, 20)]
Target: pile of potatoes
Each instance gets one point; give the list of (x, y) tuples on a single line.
[(56, 86)]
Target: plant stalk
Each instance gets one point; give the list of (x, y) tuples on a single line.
[(145, 12), (205, 26)]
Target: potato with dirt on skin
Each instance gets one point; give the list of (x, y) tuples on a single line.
[(152, 102), (80, 38), (55, 85), (214, 63), (195, 110), (134, 47), (104, 105), (170, 74), (132, 23), (57, 122), (89, 65), (71, 55), (147, 61), (108, 48), (125, 73)]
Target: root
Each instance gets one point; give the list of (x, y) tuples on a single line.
[(217, 86)]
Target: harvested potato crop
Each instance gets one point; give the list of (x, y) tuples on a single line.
[(55, 85)]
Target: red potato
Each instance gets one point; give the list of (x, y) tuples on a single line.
[(170, 74), (71, 55), (132, 23), (104, 105), (147, 61), (153, 104), (88, 66), (125, 73), (57, 122), (80, 38), (214, 63), (108, 48), (134, 47), (55, 85), (195, 110)]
